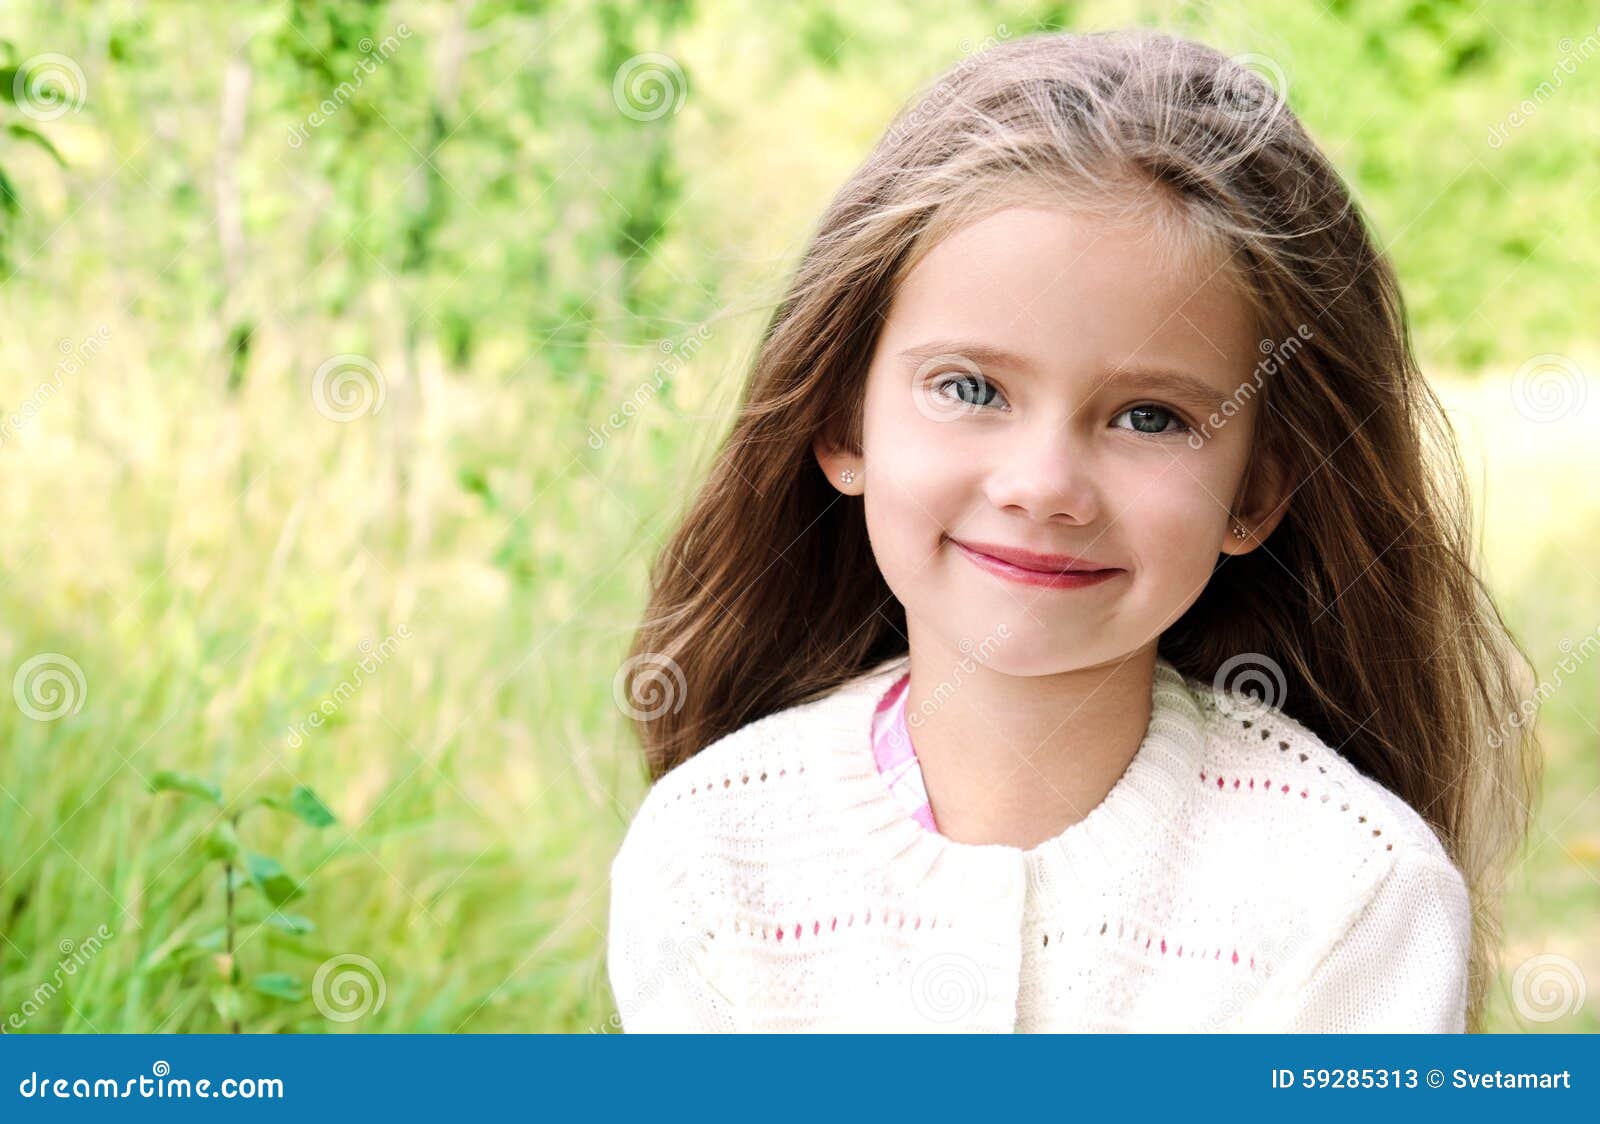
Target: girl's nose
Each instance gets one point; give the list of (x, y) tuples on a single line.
[(1047, 475)]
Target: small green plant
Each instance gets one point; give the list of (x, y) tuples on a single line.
[(243, 870)]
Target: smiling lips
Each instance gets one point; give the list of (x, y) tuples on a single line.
[(1055, 571)]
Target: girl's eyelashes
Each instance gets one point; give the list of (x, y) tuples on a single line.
[(1152, 413), (966, 389), (964, 378)]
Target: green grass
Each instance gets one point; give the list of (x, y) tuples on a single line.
[(215, 581)]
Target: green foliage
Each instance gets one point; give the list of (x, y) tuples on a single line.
[(241, 868)]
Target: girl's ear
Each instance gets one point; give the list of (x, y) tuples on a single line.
[(1266, 502), (841, 467)]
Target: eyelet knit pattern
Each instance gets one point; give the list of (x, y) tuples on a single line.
[(1239, 876)]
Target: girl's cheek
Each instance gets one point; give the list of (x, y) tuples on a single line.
[(917, 459), (1176, 520)]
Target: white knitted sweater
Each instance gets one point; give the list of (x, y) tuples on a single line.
[(1239, 876)]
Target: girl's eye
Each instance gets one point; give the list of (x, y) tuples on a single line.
[(1152, 419), (978, 388)]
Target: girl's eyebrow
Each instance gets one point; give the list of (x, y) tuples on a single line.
[(1192, 389)]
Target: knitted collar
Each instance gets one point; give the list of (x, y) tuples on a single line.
[(1136, 818)]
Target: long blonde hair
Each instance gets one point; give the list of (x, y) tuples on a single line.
[(1366, 595)]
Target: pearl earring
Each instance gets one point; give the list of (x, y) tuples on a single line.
[(1239, 532), (848, 475)]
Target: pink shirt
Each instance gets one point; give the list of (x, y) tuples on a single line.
[(895, 755)]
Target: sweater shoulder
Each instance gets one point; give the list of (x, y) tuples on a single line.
[(1266, 767), (1291, 840), (746, 788)]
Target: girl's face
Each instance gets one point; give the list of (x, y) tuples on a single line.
[(1035, 387)]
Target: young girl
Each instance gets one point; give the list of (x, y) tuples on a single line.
[(1079, 629)]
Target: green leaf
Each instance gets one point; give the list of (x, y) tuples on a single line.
[(279, 985), (223, 842), (176, 951), (227, 1000), (303, 803), (25, 133), (268, 874), (168, 781), (291, 923), (212, 941)]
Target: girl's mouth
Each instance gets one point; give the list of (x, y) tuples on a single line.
[(1049, 579)]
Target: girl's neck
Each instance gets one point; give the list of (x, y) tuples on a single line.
[(1017, 760)]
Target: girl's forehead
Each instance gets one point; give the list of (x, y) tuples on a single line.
[(1046, 280)]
